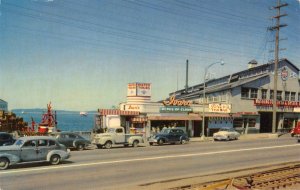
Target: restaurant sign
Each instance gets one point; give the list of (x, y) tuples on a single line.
[(174, 102), (259, 102), (219, 108), (175, 109)]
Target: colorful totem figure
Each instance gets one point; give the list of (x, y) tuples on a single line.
[(48, 123)]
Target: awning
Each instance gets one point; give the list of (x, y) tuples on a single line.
[(222, 115), (117, 112), (175, 118)]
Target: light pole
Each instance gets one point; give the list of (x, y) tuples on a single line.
[(204, 99)]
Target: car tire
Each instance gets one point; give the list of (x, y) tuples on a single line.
[(160, 142), (150, 143), (99, 146), (4, 163), (228, 138), (135, 143), (183, 141), (292, 135), (55, 159), (298, 140), (80, 147), (108, 145)]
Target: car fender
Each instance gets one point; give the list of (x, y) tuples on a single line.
[(13, 159), (76, 142), (63, 155), (103, 140), (166, 140), (184, 138), (131, 139)]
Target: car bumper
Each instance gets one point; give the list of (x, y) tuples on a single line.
[(152, 140), (220, 138)]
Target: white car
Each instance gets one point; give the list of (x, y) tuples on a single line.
[(226, 134)]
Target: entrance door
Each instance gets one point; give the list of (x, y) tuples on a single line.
[(266, 122), (197, 128)]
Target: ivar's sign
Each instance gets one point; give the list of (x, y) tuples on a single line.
[(173, 102)]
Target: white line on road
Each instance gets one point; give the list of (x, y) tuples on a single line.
[(142, 159)]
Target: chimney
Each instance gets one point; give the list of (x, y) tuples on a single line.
[(252, 64), (187, 75)]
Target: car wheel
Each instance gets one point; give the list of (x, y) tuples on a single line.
[(228, 138), (292, 135), (55, 159), (298, 140), (135, 143), (160, 142), (108, 145), (4, 163), (99, 146), (183, 141), (150, 143), (80, 147)]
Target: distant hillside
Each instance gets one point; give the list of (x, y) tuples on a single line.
[(39, 110)]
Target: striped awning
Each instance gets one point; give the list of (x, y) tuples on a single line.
[(117, 112)]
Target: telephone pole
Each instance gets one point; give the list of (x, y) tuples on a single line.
[(276, 28)]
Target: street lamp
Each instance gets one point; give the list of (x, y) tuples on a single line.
[(203, 108)]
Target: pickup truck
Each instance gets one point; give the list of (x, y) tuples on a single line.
[(116, 136)]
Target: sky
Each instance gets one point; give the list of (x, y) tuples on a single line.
[(80, 55)]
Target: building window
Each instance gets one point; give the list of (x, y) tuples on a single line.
[(271, 94), (264, 94), (245, 92), (279, 95), (287, 96), (253, 93), (293, 96)]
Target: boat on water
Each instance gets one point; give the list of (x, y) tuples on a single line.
[(48, 123), (83, 113)]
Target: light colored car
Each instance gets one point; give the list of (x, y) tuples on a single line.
[(33, 149), (226, 134)]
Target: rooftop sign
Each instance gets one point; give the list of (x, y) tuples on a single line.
[(173, 102)]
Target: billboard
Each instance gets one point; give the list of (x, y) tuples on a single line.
[(139, 89)]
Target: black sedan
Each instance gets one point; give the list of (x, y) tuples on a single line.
[(174, 135), (6, 139), (71, 140)]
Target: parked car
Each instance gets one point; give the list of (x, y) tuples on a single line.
[(296, 130), (6, 139), (116, 136), (71, 140), (226, 134), (33, 149), (174, 135)]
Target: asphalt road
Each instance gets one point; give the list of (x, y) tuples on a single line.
[(135, 168)]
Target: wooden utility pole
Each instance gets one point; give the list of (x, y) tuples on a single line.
[(277, 27)]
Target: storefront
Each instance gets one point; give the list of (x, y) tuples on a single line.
[(249, 95)]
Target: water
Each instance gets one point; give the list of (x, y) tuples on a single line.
[(66, 120)]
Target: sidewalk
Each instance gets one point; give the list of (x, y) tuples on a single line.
[(242, 137)]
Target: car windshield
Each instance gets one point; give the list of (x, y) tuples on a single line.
[(19, 142), (164, 131)]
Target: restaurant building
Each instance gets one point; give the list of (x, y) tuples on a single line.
[(246, 97), (242, 100)]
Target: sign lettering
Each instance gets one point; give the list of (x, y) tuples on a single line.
[(173, 102)]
